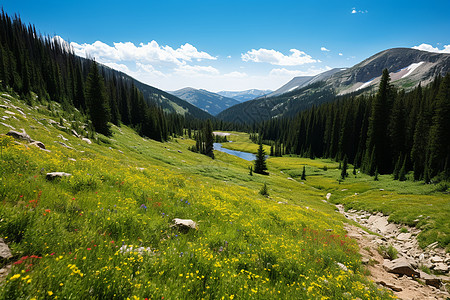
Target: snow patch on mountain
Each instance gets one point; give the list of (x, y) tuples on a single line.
[(411, 68)]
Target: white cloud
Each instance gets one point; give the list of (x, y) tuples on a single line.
[(277, 58), (283, 72), (324, 49), (119, 67), (354, 11), (429, 48), (151, 52), (340, 54), (236, 74), (187, 70)]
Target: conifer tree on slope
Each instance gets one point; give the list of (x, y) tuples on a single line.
[(378, 155), (209, 139), (260, 162), (97, 102), (440, 131)]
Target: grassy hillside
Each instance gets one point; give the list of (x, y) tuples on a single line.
[(66, 234)]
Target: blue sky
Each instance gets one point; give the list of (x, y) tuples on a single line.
[(236, 45)]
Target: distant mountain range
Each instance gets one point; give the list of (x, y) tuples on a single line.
[(407, 68), (243, 96), (208, 101), (299, 82)]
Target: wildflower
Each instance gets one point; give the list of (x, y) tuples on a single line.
[(14, 277), (50, 293)]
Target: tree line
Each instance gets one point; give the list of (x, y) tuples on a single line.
[(41, 68), (391, 132)]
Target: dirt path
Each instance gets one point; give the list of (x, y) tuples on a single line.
[(403, 286)]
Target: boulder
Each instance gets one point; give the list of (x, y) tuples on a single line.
[(328, 196), (86, 140), (62, 137), (391, 286), (342, 266), (184, 224), (441, 267), (430, 279), (401, 266), (5, 253), (404, 236), (436, 259), (65, 145), (75, 133), (38, 144), (20, 135), (53, 175)]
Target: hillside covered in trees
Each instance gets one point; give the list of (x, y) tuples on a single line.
[(390, 132), (41, 68)]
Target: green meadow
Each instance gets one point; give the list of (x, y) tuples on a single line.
[(106, 231)]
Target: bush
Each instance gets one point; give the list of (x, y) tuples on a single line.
[(264, 190), (388, 252)]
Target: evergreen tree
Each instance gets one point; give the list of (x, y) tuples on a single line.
[(97, 102), (378, 146), (209, 139), (303, 173), (260, 162), (344, 168)]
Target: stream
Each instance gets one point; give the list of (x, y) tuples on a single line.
[(240, 154)]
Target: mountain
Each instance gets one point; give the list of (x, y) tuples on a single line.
[(302, 81), (208, 101), (407, 68), (169, 102), (246, 95)]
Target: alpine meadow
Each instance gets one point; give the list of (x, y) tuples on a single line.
[(298, 174)]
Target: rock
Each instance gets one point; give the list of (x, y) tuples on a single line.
[(441, 267), (10, 113), (400, 266), (38, 144), (64, 145), (184, 224), (62, 137), (391, 286), (72, 159), (179, 151), (404, 236), (53, 175), (20, 135), (432, 245), (436, 259), (75, 133), (430, 279), (328, 196), (86, 140), (5, 253), (4, 106), (9, 126)]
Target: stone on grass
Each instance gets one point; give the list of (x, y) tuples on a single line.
[(53, 175), (328, 196), (75, 133), (184, 224), (401, 266), (38, 144), (86, 140), (20, 135), (342, 267), (5, 253)]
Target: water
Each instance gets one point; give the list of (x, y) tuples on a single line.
[(243, 155)]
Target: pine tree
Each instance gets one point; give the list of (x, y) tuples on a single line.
[(209, 139), (260, 162), (303, 173), (378, 146), (344, 168), (97, 102)]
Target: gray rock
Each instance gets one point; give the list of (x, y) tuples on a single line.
[(401, 266), (38, 144), (430, 279), (75, 133), (441, 267), (86, 140), (436, 259), (7, 125), (64, 145), (390, 285), (53, 175), (62, 137), (20, 135), (4, 106), (184, 224), (404, 236), (5, 253)]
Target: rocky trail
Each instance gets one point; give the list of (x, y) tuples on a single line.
[(403, 275)]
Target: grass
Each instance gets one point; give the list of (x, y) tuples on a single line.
[(66, 234)]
